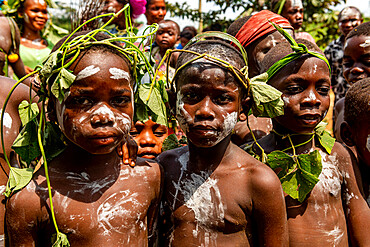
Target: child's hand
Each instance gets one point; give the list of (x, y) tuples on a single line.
[(128, 151)]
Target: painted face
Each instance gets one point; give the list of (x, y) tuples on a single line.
[(349, 19), (305, 85), (155, 12), (208, 103), (97, 111), (356, 58), (167, 35), (149, 136), (35, 14), (259, 48), (293, 12)]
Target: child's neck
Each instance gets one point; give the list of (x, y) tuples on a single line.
[(284, 139), (76, 159), (30, 34), (208, 159), (162, 51)]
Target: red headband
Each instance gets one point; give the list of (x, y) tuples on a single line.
[(258, 25)]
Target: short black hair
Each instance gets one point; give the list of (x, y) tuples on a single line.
[(215, 47), (356, 102), (174, 22), (235, 27), (282, 49), (349, 7), (363, 29)]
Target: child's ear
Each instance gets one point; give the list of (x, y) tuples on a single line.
[(346, 134), (246, 104)]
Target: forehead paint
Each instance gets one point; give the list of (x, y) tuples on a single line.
[(346, 13), (118, 74), (297, 3), (365, 44), (368, 143), (86, 72)]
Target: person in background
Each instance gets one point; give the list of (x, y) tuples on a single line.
[(348, 18), (186, 34), (292, 10)]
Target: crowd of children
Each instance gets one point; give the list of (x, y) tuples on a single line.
[(257, 167)]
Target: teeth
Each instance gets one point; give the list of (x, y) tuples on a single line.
[(309, 118)]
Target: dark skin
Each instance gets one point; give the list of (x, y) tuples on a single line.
[(349, 19), (12, 125), (149, 136), (330, 210), (166, 36), (98, 200), (356, 66), (293, 12), (256, 52), (215, 194), (35, 17), (155, 11), (357, 136)]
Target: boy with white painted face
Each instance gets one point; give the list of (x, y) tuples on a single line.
[(323, 201), (98, 201), (215, 194)]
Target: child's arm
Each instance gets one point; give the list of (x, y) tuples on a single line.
[(21, 219), (269, 212), (355, 207)]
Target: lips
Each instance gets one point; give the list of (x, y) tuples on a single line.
[(310, 119), (103, 138)]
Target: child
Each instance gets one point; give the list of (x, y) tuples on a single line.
[(257, 36), (166, 37), (149, 136), (215, 194), (323, 202), (355, 65), (97, 200), (355, 130)]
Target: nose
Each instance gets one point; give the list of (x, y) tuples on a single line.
[(102, 115), (162, 12), (311, 99), (204, 110), (145, 139)]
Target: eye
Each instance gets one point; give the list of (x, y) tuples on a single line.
[(294, 89), (323, 90), (347, 63), (121, 100), (134, 133), (223, 99), (159, 133), (191, 97), (83, 101)]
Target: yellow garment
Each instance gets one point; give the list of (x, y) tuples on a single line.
[(32, 57)]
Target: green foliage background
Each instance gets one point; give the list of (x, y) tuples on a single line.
[(320, 20)]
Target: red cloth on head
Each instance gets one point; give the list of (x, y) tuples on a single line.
[(258, 25)]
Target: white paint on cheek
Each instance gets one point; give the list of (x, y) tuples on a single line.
[(119, 74), (182, 115), (297, 3), (230, 121), (86, 72), (368, 143), (365, 44), (7, 119), (286, 100)]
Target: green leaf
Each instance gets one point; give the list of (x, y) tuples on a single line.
[(53, 144), (27, 111), (49, 64), (325, 139), (60, 240), (171, 142), (267, 100), (18, 179), (66, 78), (26, 144), (297, 176)]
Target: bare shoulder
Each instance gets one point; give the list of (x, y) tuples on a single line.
[(151, 168), (259, 175), (341, 153), (20, 93), (172, 157), (339, 106)]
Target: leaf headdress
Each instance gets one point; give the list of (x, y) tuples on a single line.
[(266, 100), (41, 140)]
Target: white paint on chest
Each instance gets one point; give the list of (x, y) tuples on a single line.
[(330, 179), (118, 74), (336, 236), (87, 72)]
